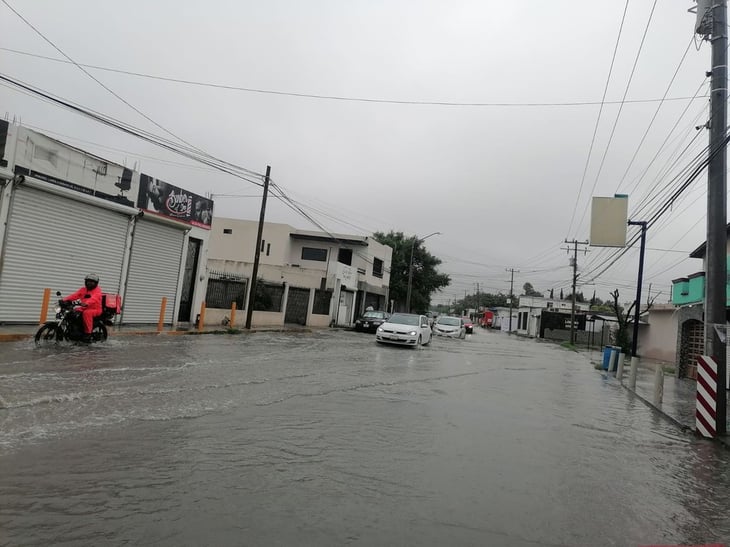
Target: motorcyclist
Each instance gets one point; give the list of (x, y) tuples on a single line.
[(89, 298)]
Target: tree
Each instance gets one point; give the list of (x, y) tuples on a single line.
[(561, 294), (425, 280), (529, 290), (622, 337)]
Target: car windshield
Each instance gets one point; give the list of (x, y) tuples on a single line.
[(451, 321), (373, 315), (404, 319)]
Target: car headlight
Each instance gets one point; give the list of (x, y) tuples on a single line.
[(380, 329), (412, 333)]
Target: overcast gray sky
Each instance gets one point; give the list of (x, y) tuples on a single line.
[(500, 173)]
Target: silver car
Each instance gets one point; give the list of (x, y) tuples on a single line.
[(453, 327), (405, 329)]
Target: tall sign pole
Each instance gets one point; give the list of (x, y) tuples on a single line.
[(257, 254), (637, 304), (716, 269)]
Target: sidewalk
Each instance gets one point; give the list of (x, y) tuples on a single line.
[(13, 333), (679, 397)]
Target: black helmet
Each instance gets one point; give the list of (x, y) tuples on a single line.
[(92, 277)]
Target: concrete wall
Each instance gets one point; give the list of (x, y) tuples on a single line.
[(658, 339)]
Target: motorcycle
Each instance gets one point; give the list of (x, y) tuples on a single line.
[(68, 324)]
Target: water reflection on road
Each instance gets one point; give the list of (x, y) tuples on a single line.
[(328, 439)]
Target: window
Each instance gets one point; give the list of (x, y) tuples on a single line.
[(311, 253), (227, 231), (344, 256), (268, 296), (263, 243), (321, 304), (224, 289), (268, 248), (377, 268)]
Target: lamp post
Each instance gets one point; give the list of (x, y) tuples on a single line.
[(410, 268)]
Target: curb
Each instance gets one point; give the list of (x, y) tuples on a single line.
[(17, 337), (723, 441)]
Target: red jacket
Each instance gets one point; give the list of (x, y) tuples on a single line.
[(90, 298)]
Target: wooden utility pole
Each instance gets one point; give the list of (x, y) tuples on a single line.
[(575, 244)]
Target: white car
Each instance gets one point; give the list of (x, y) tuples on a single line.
[(404, 329), (453, 327)]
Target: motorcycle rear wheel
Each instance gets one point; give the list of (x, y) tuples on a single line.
[(47, 334), (99, 333)]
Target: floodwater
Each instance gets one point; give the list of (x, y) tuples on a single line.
[(329, 439)]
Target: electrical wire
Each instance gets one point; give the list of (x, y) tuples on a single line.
[(598, 119), (343, 97), (621, 107)]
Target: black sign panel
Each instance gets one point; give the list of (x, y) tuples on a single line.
[(162, 198)]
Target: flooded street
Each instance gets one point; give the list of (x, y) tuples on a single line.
[(329, 439)]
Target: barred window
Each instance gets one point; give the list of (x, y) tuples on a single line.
[(377, 268), (268, 296), (321, 305), (224, 289)]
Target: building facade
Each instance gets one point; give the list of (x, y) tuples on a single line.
[(304, 277), (65, 212)]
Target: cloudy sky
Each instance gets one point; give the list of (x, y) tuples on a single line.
[(475, 119)]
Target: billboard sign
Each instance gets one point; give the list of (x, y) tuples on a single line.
[(609, 218), (164, 199), (62, 165)]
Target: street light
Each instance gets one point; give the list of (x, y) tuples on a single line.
[(410, 268)]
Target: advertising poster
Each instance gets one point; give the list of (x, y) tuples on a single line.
[(159, 197)]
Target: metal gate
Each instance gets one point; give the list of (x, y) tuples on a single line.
[(154, 270), (53, 241), (297, 304), (188, 283), (692, 346)]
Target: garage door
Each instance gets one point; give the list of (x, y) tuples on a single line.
[(153, 272), (53, 241)]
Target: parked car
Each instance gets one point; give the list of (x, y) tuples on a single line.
[(371, 320), (453, 327), (468, 325), (405, 329)]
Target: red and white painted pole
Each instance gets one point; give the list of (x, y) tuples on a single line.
[(706, 410)]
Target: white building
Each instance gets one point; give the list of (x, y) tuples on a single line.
[(531, 309), (308, 278), (65, 212)]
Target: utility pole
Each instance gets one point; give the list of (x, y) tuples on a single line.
[(575, 244), (637, 305), (716, 276), (511, 295), (257, 254)]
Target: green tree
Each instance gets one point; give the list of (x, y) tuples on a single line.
[(426, 279), (530, 290)]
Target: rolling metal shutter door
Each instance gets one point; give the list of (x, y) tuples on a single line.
[(153, 272), (53, 241)]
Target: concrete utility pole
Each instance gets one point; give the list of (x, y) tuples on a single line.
[(511, 295), (716, 275), (257, 254), (575, 243)]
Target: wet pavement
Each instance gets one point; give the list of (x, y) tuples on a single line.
[(325, 438)]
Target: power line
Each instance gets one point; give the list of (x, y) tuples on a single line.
[(621, 107), (598, 119), (344, 97)]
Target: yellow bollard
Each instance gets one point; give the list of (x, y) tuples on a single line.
[(201, 321), (233, 315), (161, 321), (44, 305)]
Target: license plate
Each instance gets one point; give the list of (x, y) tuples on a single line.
[(366, 325)]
